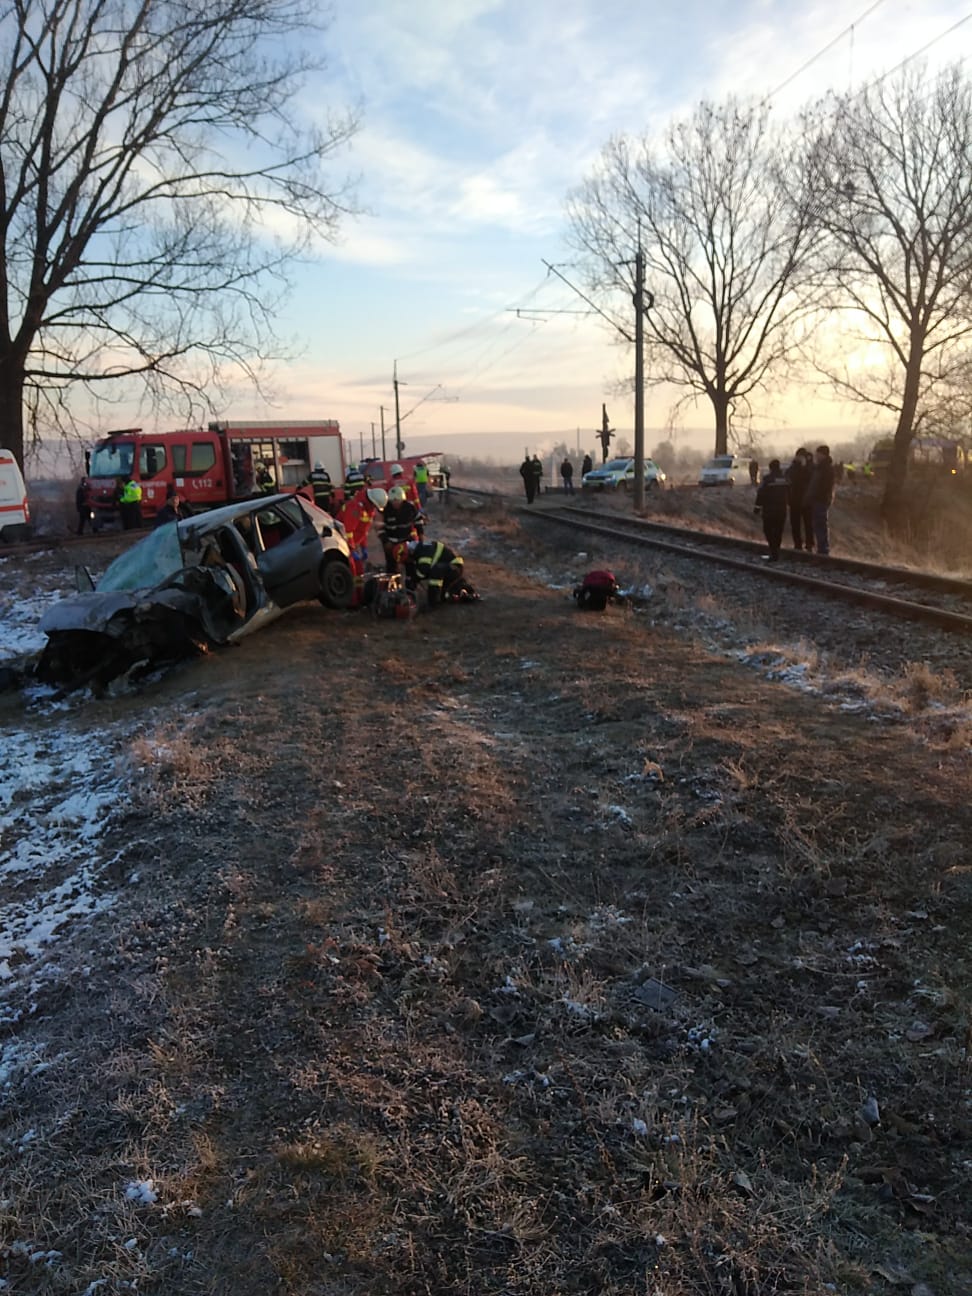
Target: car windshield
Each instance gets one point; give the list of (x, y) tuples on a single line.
[(113, 459), (720, 461), (615, 465), (146, 564)]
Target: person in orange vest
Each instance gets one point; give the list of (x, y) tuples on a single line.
[(356, 515)]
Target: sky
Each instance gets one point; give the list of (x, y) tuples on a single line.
[(477, 119)]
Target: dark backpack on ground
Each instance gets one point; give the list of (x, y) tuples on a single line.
[(596, 590)]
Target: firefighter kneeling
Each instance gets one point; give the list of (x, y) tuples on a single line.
[(440, 568)]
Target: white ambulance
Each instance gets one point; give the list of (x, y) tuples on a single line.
[(14, 509)]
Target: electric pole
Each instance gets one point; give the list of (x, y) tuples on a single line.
[(384, 454), (639, 409), (374, 448), (398, 416)]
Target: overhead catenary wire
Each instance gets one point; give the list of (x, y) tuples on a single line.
[(918, 52), (849, 29)]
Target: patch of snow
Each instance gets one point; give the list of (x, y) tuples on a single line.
[(142, 1191), (20, 617), (620, 815), (59, 790)]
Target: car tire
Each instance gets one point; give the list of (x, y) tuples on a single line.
[(622, 485), (337, 583), (653, 483)]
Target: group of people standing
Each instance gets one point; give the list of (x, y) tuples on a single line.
[(805, 492), (531, 470)]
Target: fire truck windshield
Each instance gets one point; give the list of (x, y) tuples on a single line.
[(111, 459)]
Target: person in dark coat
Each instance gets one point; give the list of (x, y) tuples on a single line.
[(537, 468), (753, 471), (586, 467), (567, 472), (798, 476), (173, 510), (529, 479), (820, 496), (772, 501), (82, 503)]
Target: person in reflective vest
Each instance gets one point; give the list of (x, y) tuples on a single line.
[(130, 504), (356, 516), (440, 569), (422, 483), (399, 525), (353, 482), (319, 481)]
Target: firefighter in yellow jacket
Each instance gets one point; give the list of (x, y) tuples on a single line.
[(440, 569)]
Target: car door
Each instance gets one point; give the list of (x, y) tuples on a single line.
[(290, 553)]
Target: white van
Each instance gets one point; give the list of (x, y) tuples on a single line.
[(14, 509)]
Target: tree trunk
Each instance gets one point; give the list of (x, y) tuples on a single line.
[(721, 407), (892, 502), (12, 405)]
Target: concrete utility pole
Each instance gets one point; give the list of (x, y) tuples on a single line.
[(374, 448), (384, 453), (639, 409), (398, 416)]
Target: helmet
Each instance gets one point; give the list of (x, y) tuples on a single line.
[(318, 467), (377, 497), (398, 495), (411, 546), (397, 470)]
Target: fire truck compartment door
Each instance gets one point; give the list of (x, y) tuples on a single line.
[(289, 570)]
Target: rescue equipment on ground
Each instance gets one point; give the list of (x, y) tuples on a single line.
[(388, 598)]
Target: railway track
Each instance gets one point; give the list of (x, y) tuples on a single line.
[(61, 542), (941, 601)]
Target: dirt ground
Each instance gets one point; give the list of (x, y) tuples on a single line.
[(509, 950)]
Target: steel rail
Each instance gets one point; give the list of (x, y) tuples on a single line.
[(902, 608), (63, 542), (855, 566)]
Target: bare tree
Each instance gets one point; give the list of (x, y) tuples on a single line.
[(726, 224), (892, 169), (155, 181)]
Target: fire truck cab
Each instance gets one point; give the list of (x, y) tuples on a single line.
[(210, 466)]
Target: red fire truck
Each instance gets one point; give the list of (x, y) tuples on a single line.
[(210, 466)]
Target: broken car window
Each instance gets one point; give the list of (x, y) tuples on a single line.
[(146, 564)]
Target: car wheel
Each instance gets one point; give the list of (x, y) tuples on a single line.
[(337, 583), (622, 485), (653, 483)]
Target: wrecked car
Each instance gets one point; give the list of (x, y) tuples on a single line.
[(191, 585)]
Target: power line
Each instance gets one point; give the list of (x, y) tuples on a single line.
[(918, 53), (826, 50)]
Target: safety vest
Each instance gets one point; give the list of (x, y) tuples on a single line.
[(421, 475), (131, 493), (429, 554)]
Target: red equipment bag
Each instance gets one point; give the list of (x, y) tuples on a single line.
[(596, 590)]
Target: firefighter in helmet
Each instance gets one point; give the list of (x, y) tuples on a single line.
[(319, 480), (356, 516), (441, 570), (398, 478), (266, 483), (400, 520)]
